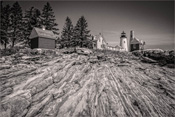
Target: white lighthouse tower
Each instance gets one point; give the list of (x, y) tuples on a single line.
[(124, 41)]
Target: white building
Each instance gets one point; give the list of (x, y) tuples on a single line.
[(135, 43), (100, 41), (124, 41), (128, 45), (132, 43)]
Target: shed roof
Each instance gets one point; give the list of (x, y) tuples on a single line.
[(37, 32)]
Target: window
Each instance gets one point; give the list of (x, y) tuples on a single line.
[(95, 45), (134, 46)]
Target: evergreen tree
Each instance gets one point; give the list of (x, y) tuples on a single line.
[(31, 19), (67, 33), (16, 23), (4, 25), (48, 18), (2, 32), (81, 33)]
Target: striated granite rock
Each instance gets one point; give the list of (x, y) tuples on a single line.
[(102, 84)]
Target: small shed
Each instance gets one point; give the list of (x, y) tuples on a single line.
[(42, 38)]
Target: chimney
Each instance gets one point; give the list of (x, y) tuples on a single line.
[(132, 35), (92, 37), (43, 27), (130, 39)]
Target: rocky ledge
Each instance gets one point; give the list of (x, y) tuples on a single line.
[(62, 83), (161, 57)]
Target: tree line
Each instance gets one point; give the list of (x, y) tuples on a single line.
[(76, 36), (16, 26)]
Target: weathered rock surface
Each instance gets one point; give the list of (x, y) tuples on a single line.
[(157, 55), (95, 84)]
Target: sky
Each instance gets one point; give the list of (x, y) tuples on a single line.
[(152, 21)]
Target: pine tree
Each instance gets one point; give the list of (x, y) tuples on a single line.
[(5, 20), (2, 32), (67, 33), (48, 18), (81, 33), (16, 23), (31, 19)]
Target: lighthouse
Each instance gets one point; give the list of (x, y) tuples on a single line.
[(124, 41)]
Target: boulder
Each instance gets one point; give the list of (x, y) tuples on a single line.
[(93, 59), (156, 54), (84, 51), (2, 60), (153, 55), (101, 57), (68, 51), (147, 60)]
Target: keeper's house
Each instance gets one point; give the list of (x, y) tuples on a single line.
[(42, 38)]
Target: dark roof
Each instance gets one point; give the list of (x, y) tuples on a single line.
[(123, 34), (37, 32)]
